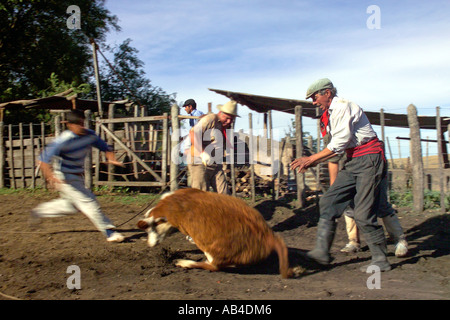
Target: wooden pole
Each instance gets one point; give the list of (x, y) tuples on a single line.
[(232, 168), (33, 176), (416, 159), (41, 149), (96, 155), (384, 141), (97, 79), (57, 125), (299, 154), (110, 141), (441, 158), (265, 125), (22, 155), (2, 155), (175, 148), (251, 158), (278, 181), (390, 153), (88, 160), (12, 174), (164, 154), (272, 160)]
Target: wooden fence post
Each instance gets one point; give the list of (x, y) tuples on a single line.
[(12, 174), (319, 166), (299, 154), (164, 152), (96, 154), (416, 159), (440, 158), (272, 160), (110, 141), (57, 125), (2, 155), (251, 157), (175, 148), (232, 167), (390, 152), (88, 160), (33, 164)]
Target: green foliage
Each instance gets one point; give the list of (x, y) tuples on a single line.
[(432, 199), (36, 43), (40, 56), (58, 86), (401, 199), (128, 81)]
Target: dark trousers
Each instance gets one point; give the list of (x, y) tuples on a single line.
[(385, 207), (359, 181)]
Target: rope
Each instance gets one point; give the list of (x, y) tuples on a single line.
[(151, 202)]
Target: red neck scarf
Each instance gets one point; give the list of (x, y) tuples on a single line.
[(324, 119)]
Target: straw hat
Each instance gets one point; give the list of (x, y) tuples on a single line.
[(229, 108)]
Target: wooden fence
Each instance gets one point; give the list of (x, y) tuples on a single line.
[(145, 145)]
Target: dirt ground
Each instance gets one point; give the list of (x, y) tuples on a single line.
[(34, 262)]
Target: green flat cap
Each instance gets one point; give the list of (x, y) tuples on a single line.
[(318, 85)]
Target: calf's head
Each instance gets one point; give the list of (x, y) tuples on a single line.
[(157, 228)]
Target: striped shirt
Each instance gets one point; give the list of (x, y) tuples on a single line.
[(71, 150), (348, 126)]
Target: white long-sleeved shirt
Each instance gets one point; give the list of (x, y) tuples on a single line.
[(348, 126)]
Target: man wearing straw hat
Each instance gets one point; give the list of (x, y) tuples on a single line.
[(208, 142)]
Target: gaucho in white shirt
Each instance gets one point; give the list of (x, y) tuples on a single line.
[(359, 180)]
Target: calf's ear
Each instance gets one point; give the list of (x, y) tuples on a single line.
[(142, 224)]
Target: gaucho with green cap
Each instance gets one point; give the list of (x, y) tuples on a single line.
[(318, 85), (359, 180)]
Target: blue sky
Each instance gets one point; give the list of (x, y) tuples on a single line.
[(277, 48)]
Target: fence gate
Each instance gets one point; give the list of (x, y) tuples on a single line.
[(141, 143)]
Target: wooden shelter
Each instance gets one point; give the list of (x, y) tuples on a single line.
[(263, 104), (66, 100)]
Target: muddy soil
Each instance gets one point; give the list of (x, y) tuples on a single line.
[(35, 262)]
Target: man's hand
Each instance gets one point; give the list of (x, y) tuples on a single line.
[(116, 163), (301, 164), (54, 183), (110, 156)]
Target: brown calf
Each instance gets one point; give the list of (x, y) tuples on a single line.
[(226, 229)]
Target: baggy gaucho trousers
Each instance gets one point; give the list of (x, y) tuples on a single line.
[(359, 180)]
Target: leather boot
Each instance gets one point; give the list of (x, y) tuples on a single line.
[(377, 245), (395, 230), (325, 236)]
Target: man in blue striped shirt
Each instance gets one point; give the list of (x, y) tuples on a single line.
[(62, 164)]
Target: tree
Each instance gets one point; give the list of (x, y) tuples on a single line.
[(125, 79), (35, 42)]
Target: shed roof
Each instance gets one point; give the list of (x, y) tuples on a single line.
[(263, 104), (61, 101)]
